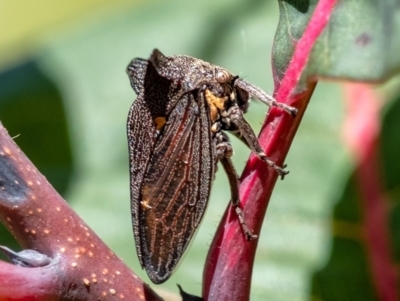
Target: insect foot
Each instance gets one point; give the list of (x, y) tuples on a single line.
[(280, 170), (246, 230)]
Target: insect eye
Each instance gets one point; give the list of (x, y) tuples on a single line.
[(223, 76)]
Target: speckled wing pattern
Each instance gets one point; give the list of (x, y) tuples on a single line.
[(171, 172), (141, 134), (176, 187)]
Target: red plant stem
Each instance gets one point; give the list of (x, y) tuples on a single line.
[(82, 267), (361, 134), (36, 284), (229, 265)]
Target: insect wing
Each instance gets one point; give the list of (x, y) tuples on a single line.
[(141, 131), (176, 187)]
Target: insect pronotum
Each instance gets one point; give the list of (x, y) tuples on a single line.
[(175, 138)]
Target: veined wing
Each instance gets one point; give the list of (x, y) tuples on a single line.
[(151, 102), (176, 186)]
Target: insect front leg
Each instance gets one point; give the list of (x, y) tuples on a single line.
[(224, 152), (234, 116), (261, 95)]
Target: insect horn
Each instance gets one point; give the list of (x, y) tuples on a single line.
[(157, 58)]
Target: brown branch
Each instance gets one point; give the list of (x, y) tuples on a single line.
[(81, 266)]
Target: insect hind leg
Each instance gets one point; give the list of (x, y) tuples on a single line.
[(224, 152)]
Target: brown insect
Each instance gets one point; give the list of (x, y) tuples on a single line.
[(175, 137)]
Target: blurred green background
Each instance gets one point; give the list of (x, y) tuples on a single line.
[(64, 93)]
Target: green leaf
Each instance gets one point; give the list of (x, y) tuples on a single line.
[(361, 42), (32, 110)]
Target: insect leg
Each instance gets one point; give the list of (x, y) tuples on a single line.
[(244, 131), (224, 152), (261, 95)]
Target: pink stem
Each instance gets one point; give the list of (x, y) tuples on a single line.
[(361, 131), (227, 274)]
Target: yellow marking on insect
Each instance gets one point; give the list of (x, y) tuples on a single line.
[(214, 128), (160, 122), (146, 197), (145, 205), (215, 104)]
